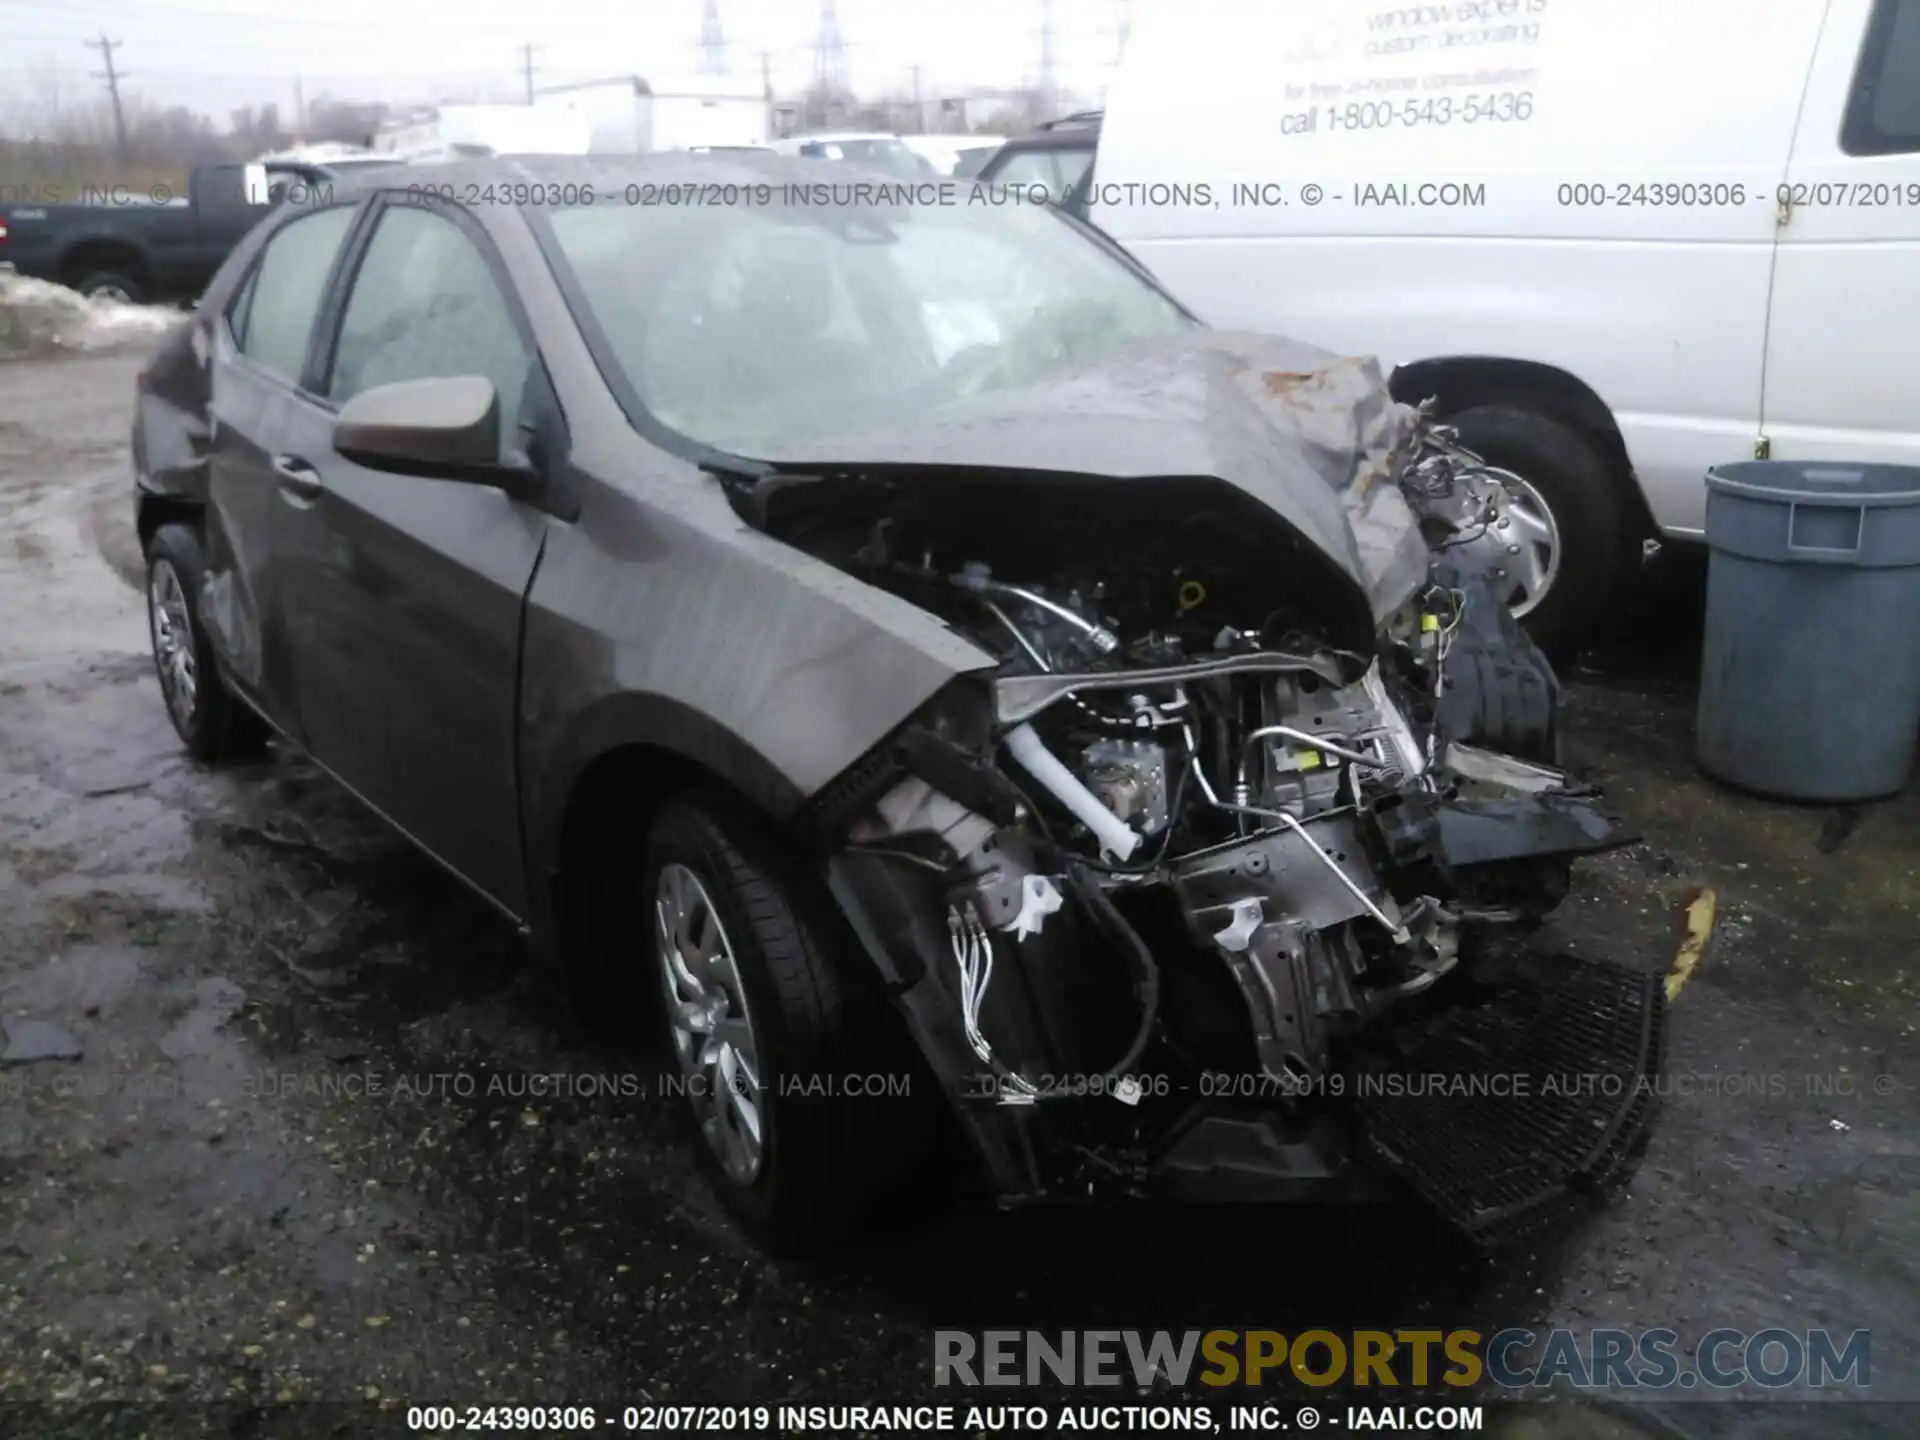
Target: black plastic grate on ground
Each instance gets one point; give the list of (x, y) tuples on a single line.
[(1502, 1114)]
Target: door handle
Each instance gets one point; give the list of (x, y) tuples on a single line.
[(297, 478)]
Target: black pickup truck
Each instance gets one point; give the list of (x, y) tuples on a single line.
[(132, 244)]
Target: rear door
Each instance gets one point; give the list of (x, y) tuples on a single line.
[(403, 593), (260, 348), (1843, 343)]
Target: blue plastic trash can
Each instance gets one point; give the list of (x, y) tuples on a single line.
[(1810, 666)]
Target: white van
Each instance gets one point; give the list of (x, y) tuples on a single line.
[(1619, 240)]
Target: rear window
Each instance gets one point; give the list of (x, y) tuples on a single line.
[(883, 154), (273, 318), (1883, 117)]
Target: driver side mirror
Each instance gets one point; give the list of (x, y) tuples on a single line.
[(444, 428)]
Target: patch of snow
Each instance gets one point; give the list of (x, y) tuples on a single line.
[(39, 318)]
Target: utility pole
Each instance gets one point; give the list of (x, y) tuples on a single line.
[(766, 87), (1046, 59), (713, 41), (106, 48), (919, 114), (299, 113), (526, 67)]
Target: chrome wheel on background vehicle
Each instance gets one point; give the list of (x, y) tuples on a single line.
[(1569, 517), (173, 643), (113, 286), (708, 1018), (1526, 539)]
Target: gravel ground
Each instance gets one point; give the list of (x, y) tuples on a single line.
[(298, 1160)]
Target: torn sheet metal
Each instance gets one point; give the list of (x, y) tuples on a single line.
[(1315, 437)]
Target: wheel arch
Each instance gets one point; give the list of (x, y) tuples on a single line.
[(153, 509), (104, 252), (617, 764), (1465, 382)]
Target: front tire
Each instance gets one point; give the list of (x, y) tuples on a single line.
[(210, 721), (1585, 522), (766, 1013)]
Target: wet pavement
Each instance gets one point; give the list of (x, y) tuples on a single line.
[(303, 1154)]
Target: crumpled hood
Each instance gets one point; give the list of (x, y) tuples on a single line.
[(1315, 437)]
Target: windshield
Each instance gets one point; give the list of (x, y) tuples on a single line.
[(751, 328)]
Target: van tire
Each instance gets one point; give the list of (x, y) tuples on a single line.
[(1589, 511)]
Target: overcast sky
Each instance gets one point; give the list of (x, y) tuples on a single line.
[(215, 55)]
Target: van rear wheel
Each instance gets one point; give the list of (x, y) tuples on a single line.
[(1561, 542)]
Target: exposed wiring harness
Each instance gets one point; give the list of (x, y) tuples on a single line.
[(973, 956), (1107, 915), (973, 953)]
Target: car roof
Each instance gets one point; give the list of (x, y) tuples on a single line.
[(1086, 139), (842, 135), (603, 172)]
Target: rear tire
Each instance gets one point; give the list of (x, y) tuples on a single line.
[(1588, 505), (112, 284), (813, 1015), (211, 722)]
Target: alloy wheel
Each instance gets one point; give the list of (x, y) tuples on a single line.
[(172, 627), (1522, 544), (708, 1017)]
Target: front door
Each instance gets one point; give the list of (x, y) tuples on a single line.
[(1843, 339), (403, 594)]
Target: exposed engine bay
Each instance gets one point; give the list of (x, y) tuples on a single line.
[(1215, 852)]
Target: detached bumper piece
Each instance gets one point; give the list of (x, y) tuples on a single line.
[(1509, 1115)]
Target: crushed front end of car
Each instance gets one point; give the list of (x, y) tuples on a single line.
[(1210, 888)]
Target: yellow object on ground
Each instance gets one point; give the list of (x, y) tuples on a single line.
[(1693, 942)]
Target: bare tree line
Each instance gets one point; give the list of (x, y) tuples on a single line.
[(821, 108), (63, 135), (60, 136)]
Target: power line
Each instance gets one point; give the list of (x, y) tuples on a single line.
[(106, 48)]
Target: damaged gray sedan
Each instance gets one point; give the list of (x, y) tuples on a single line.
[(895, 655)]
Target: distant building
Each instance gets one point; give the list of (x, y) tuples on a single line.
[(467, 131), (321, 153), (630, 115)]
